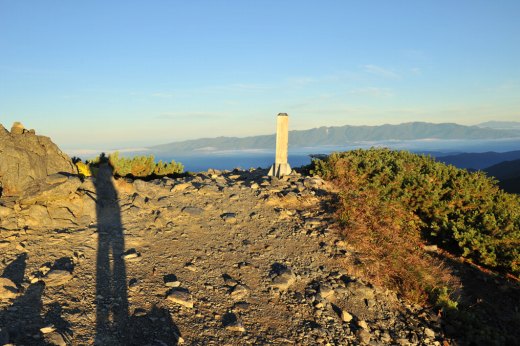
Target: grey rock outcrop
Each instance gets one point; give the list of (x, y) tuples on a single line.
[(26, 159)]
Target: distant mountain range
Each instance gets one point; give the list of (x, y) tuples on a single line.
[(337, 136), (479, 160), (501, 125)]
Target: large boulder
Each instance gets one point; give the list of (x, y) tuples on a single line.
[(27, 159)]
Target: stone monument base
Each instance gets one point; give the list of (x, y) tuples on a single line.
[(279, 170)]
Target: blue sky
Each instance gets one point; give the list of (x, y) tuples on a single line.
[(109, 74)]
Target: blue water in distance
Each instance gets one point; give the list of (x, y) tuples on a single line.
[(204, 162), (300, 156)]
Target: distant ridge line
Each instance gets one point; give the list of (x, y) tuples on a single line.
[(341, 135)]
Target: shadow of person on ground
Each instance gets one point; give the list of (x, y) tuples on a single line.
[(111, 292), (155, 327), (20, 321), (16, 269), (114, 326)]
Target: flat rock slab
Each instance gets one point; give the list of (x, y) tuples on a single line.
[(229, 217), (192, 210), (284, 279), (239, 292), (180, 296), (57, 277), (45, 193)]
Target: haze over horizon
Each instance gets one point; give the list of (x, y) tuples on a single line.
[(129, 74)]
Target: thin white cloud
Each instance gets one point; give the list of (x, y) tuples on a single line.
[(381, 71)]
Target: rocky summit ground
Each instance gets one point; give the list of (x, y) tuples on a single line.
[(218, 258)]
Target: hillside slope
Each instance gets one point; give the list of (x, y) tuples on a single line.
[(479, 160), (504, 170)]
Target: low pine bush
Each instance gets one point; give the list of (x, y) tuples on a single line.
[(386, 239), (461, 211)]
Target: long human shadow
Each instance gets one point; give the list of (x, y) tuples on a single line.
[(114, 325), (20, 323), (111, 292)]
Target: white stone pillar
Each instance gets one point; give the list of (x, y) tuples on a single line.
[(281, 166)]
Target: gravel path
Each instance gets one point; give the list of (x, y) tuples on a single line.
[(220, 258)]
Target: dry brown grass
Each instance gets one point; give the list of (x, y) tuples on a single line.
[(387, 241)]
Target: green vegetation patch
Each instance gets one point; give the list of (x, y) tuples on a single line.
[(136, 167), (461, 211)]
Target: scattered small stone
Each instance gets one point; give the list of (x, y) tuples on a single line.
[(229, 217), (239, 292), (48, 329), (170, 280), (363, 324), (326, 292), (284, 279), (191, 267), (57, 277), (55, 339), (346, 316), (138, 312), (44, 269), (241, 306), (385, 337), (229, 281), (429, 333), (192, 210), (130, 254), (363, 336), (180, 296), (232, 323)]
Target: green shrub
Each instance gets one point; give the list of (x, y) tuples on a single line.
[(142, 166), (137, 166), (459, 210), (162, 169)]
